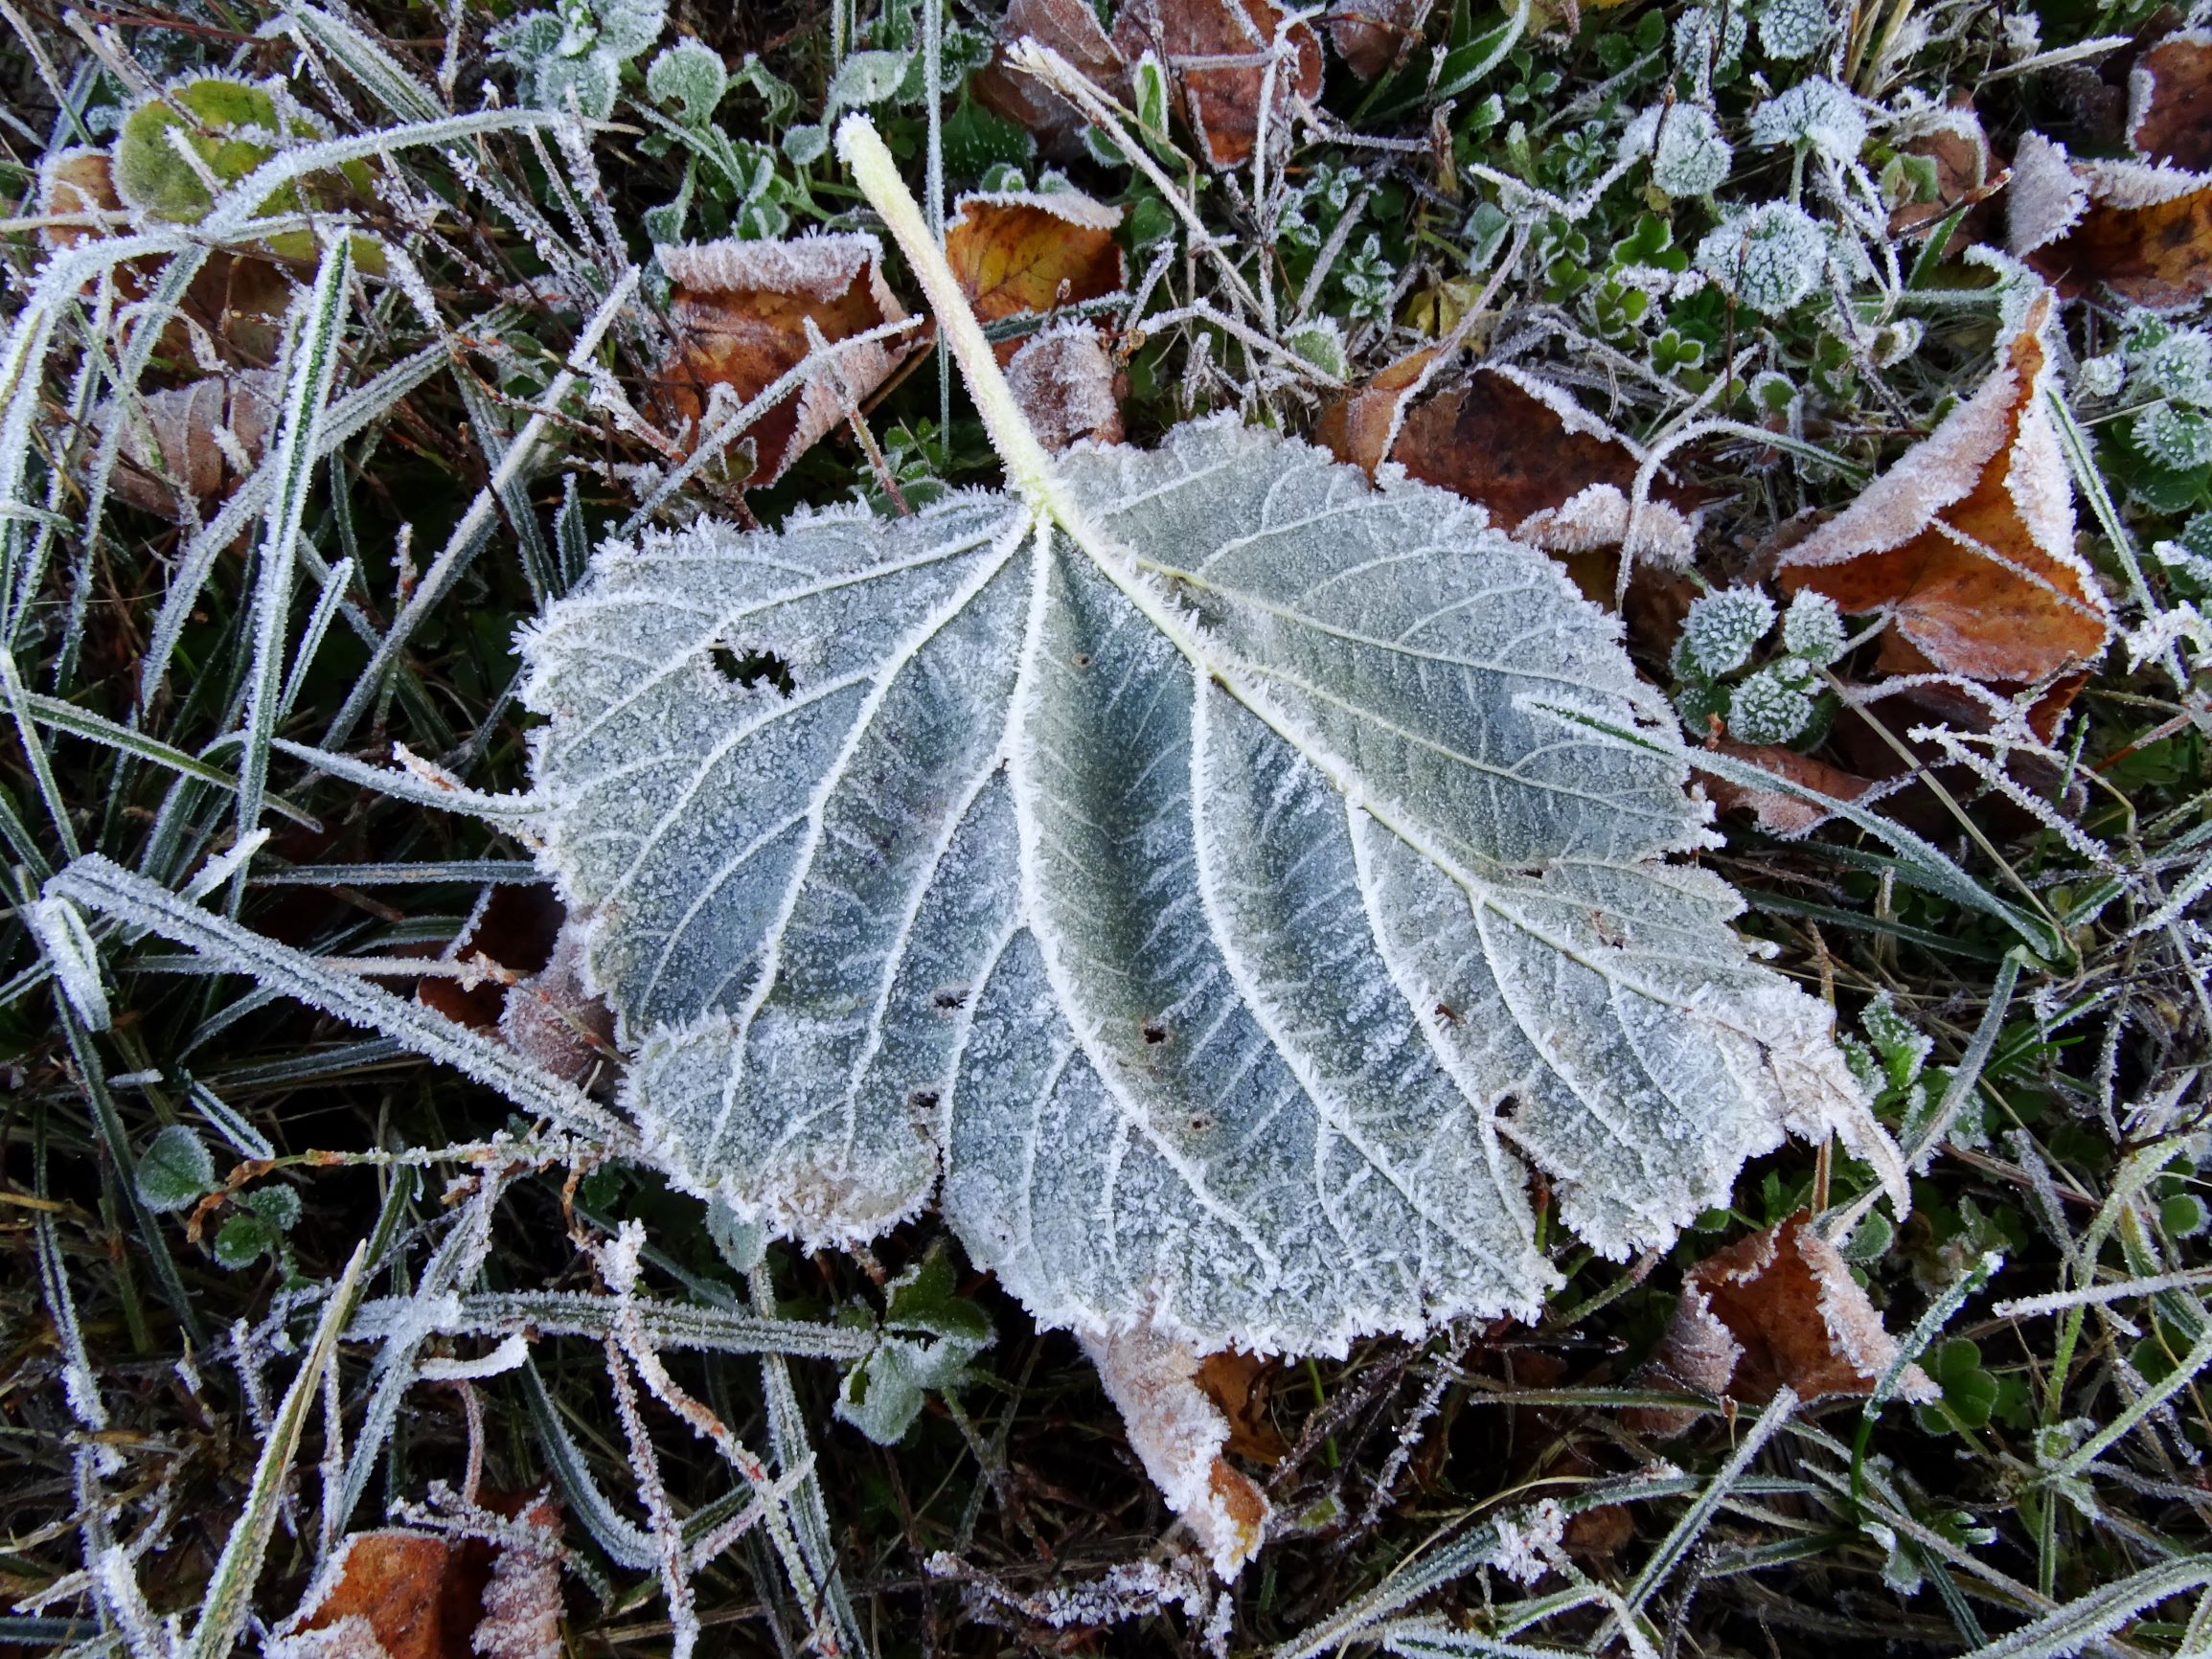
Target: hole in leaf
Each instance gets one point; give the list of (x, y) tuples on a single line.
[(950, 996), (751, 668), (922, 1099), (1155, 1030)]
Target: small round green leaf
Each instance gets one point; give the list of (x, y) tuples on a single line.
[(174, 1171)]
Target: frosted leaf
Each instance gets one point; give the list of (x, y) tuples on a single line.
[(1793, 29), (585, 85), (2175, 438), (867, 78), (1722, 627), (627, 27), (1815, 114), (1689, 156), (1768, 707), (2179, 364), (1812, 628), (1705, 43), (691, 76), (175, 1170), (70, 951), (1770, 258), (2101, 376), (1222, 938), (1064, 379)]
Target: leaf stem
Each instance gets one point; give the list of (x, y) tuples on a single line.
[(1028, 468)]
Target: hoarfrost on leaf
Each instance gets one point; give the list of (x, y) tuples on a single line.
[(1227, 903), (2174, 438), (1793, 29), (1812, 628), (1688, 155), (2178, 362), (1815, 114), (1770, 258), (1708, 40), (1768, 707), (691, 76), (2101, 376), (1722, 628)]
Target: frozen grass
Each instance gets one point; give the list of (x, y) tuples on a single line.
[(206, 1385)]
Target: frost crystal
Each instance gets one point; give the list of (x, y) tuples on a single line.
[(2174, 438), (1812, 628), (1815, 114), (1767, 707), (1770, 258), (1689, 156), (1793, 29), (1180, 929), (1722, 627)]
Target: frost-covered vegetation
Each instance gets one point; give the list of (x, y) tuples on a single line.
[(1153, 824)]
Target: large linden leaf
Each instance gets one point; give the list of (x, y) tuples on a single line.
[(1222, 904)]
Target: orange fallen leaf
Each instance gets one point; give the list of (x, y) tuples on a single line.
[(1548, 471), (399, 1593), (1071, 29), (1216, 54), (1779, 1308), (2170, 101), (2141, 229), (1031, 253), (1967, 544), (1068, 385), (74, 184), (740, 312)]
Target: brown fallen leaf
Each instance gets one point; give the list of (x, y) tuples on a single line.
[(2170, 102), (1374, 36), (1032, 252), (1068, 385), (191, 442), (1240, 1384), (515, 929), (1548, 471), (553, 1019), (1966, 176), (75, 183), (1362, 425), (400, 1593), (1779, 1308), (740, 312), (1216, 55), (1071, 29), (1967, 544), (2141, 229), (1775, 812)]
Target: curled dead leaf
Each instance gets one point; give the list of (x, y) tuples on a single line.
[(553, 1019), (1952, 141), (1216, 54), (191, 443), (2141, 229), (1179, 1435), (1373, 36), (1777, 1308), (1967, 544), (740, 312), (75, 185), (1071, 29), (2170, 102), (1068, 385), (1033, 252)]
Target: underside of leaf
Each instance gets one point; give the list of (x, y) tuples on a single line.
[(1219, 898)]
